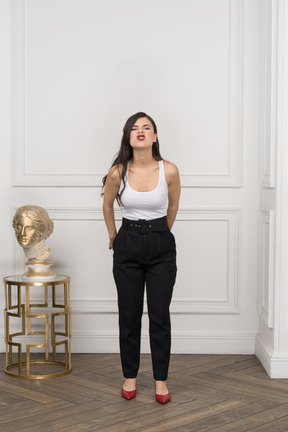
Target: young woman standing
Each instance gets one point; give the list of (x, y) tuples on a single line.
[(148, 190)]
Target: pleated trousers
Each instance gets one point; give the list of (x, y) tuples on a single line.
[(144, 255)]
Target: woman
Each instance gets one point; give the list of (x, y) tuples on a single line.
[(148, 190)]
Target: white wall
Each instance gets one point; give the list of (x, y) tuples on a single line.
[(78, 70), (272, 339)]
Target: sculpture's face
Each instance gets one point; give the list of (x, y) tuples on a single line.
[(26, 231)]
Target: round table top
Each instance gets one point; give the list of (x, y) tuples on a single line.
[(19, 280)]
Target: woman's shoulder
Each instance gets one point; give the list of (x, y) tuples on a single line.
[(115, 173), (170, 168), (171, 173)]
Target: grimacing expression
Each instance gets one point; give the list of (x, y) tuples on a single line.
[(27, 232), (142, 134)]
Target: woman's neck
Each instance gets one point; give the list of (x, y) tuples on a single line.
[(142, 159)]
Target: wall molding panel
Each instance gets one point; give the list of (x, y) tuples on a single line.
[(23, 177), (269, 93), (267, 267), (227, 305)]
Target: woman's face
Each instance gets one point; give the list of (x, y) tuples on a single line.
[(26, 231), (142, 134)]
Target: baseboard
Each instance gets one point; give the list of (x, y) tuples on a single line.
[(276, 365), (213, 343), (263, 353), (182, 343)]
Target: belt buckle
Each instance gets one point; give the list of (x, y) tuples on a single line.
[(143, 229)]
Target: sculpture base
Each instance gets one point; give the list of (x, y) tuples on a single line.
[(39, 272)]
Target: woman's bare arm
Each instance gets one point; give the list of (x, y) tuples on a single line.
[(110, 191), (174, 190)]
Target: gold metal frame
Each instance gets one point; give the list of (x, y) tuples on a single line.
[(25, 313)]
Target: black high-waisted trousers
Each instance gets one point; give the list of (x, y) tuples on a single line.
[(144, 253)]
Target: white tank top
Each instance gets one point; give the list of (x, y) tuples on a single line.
[(145, 205)]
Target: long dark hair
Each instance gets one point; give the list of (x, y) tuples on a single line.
[(125, 153)]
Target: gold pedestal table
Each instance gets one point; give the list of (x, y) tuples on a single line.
[(47, 318)]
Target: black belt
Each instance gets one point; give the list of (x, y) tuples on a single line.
[(144, 226)]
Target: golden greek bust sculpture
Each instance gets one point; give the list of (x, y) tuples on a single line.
[(33, 226)]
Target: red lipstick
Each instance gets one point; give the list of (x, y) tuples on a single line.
[(141, 137)]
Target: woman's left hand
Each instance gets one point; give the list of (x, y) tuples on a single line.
[(111, 241)]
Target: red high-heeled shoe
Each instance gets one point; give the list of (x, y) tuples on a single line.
[(162, 398), (128, 394)]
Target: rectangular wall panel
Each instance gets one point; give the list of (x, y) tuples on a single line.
[(266, 276), (269, 75), (71, 96)]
